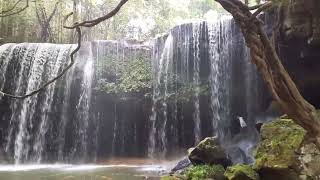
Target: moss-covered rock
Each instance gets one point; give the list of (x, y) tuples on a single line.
[(202, 172), (279, 141), (241, 172), (208, 151), (276, 155)]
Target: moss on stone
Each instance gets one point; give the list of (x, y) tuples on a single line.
[(279, 141), (205, 171), (241, 172)]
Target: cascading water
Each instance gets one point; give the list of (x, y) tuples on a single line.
[(66, 95), (220, 39), (52, 71), (196, 80), (209, 61), (203, 84), (31, 120), (83, 105), (158, 136), (39, 64)]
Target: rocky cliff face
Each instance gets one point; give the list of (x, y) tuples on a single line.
[(301, 21), (299, 45)]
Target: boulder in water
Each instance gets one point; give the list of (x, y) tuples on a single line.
[(241, 172), (209, 151)]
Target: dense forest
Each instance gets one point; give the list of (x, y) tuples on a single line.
[(139, 20)]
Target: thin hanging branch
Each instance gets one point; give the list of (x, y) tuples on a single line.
[(64, 71), (11, 11), (12, 8), (77, 27)]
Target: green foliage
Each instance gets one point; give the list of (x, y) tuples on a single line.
[(241, 172), (131, 77), (204, 172), (25, 26), (136, 77)]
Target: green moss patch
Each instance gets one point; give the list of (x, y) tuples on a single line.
[(241, 172), (205, 171), (279, 141)]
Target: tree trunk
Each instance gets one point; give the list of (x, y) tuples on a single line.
[(268, 63), (75, 19)]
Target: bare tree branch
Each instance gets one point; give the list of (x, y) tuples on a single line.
[(77, 27), (263, 7), (256, 6), (10, 11), (12, 8), (54, 11), (64, 71), (91, 23)]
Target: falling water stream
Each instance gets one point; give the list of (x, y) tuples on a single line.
[(200, 73), (206, 60), (160, 95), (196, 81)]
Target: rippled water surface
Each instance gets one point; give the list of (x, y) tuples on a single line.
[(81, 172)]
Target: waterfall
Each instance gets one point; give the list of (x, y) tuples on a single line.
[(5, 52), (196, 81), (58, 62), (160, 95), (83, 105), (213, 83), (220, 40), (202, 84), (39, 63), (31, 123), (64, 114)]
